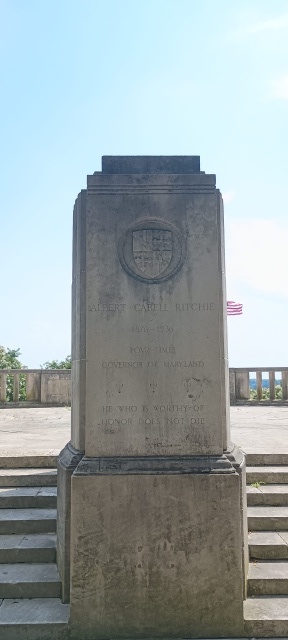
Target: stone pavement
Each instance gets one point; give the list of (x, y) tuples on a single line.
[(34, 432), (260, 429), (30, 432)]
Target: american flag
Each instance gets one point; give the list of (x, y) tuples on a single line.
[(234, 308)]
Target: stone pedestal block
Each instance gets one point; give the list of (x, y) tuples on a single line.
[(156, 555)]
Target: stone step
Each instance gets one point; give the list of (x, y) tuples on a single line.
[(13, 521), (274, 495), (28, 477), (37, 548), (268, 578), (266, 617), (267, 518), (18, 460), (29, 581), (268, 545), (34, 619), (28, 497), (264, 459), (268, 475)]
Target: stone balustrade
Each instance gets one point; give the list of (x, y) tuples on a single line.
[(34, 387), (242, 392)]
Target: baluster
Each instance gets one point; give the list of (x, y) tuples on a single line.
[(259, 384), (16, 387), (231, 386), (284, 385), (242, 385), (272, 385), (33, 387), (3, 379)]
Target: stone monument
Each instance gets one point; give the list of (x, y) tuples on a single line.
[(150, 507)]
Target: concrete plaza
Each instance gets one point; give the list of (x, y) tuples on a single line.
[(45, 431)]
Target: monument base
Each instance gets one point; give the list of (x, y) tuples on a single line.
[(68, 460), (156, 548)]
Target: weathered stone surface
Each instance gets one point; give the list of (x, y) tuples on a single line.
[(268, 475), (79, 324), (268, 545), (155, 369), (29, 581), (67, 463), (267, 518), (55, 387), (268, 578), (266, 617), (27, 521), (45, 618), (273, 495), (28, 477), (152, 555), (27, 497), (37, 548), (150, 164), (33, 387), (158, 545)]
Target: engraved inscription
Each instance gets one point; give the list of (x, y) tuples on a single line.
[(144, 350), (112, 306), (121, 365), (163, 328), (162, 367), (158, 415), (178, 364), (184, 364), (152, 307), (167, 422)]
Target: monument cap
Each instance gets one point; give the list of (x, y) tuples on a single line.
[(150, 164)]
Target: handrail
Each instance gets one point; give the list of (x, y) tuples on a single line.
[(264, 369)]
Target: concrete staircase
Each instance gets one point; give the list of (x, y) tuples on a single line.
[(30, 588), (266, 608)]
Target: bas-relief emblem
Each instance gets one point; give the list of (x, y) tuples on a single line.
[(152, 250)]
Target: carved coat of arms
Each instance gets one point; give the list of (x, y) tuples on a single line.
[(152, 250)]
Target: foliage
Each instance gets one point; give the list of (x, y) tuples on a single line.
[(57, 364), (9, 359), (266, 393), (257, 484)]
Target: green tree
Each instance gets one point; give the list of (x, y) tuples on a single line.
[(9, 359), (266, 393), (57, 364)]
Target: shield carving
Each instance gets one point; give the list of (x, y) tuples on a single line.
[(152, 250)]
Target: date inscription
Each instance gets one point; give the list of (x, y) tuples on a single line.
[(162, 328)]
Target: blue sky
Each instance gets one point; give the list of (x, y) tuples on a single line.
[(82, 79)]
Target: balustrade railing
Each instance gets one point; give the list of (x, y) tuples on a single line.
[(32, 387), (35, 387), (259, 385)]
